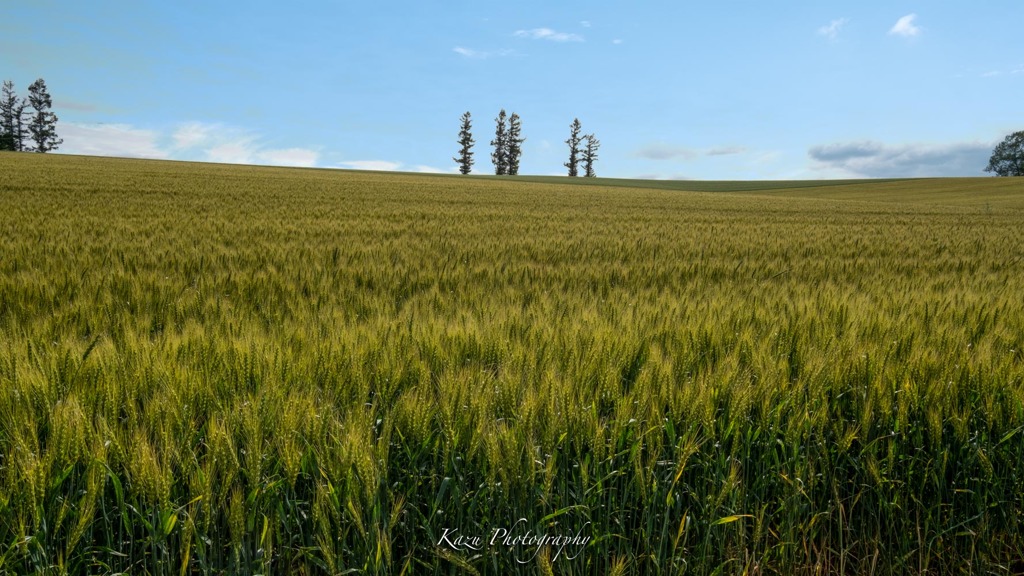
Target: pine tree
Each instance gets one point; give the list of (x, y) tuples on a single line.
[(11, 113), (465, 157), (515, 143), (590, 155), (574, 148), (42, 125), (20, 132), (500, 155)]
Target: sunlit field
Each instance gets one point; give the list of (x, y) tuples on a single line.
[(212, 369)]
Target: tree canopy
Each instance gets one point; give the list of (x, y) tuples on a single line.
[(1008, 156)]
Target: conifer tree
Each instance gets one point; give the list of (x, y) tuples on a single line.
[(465, 157), (515, 143), (574, 148), (12, 112), (590, 155), (500, 155), (42, 125)]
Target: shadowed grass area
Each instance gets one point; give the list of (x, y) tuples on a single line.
[(213, 369), (696, 185)]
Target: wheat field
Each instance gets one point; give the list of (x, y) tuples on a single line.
[(213, 369)]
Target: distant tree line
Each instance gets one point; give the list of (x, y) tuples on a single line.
[(508, 146), (27, 124)]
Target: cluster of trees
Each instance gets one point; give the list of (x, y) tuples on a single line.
[(587, 154), (508, 146), (27, 124), (507, 143)]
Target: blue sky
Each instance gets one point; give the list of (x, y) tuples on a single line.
[(700, 90)]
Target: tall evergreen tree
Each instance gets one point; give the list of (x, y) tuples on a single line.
[(20, 131), (590, 155), (500, 155), (465, 157), (515, 143), (574, 148), (11, 113), (42, 125)]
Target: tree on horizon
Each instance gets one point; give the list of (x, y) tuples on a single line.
[(465, 157), (574, 148), (590, 155), (42, 125), (515, 144), (500, 155), (12, 119), (1008, 156)]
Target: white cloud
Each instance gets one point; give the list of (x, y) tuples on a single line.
[(905, 27), (831, 31), (111, 140), (469, 53), (617, 41), (877, 160), (192, 134), (300, 157), (548, 34), (214, 142), (479, 54), (429, 169), (377, 165), (237, 152), (585, 23), (188, 141)]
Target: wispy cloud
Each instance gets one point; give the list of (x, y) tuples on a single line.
[(188, 141), (617, 41), (76, 106), (663, 151), (121, 140), (191, 134), (480, 54), (585, 23), (726, 151), (470, 53), (832, 29), (905, 27), (238, 151), (430, 169), (548, 34), (301, 157), (214, 142), (374, 165), (877, 160), (994, 73)]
